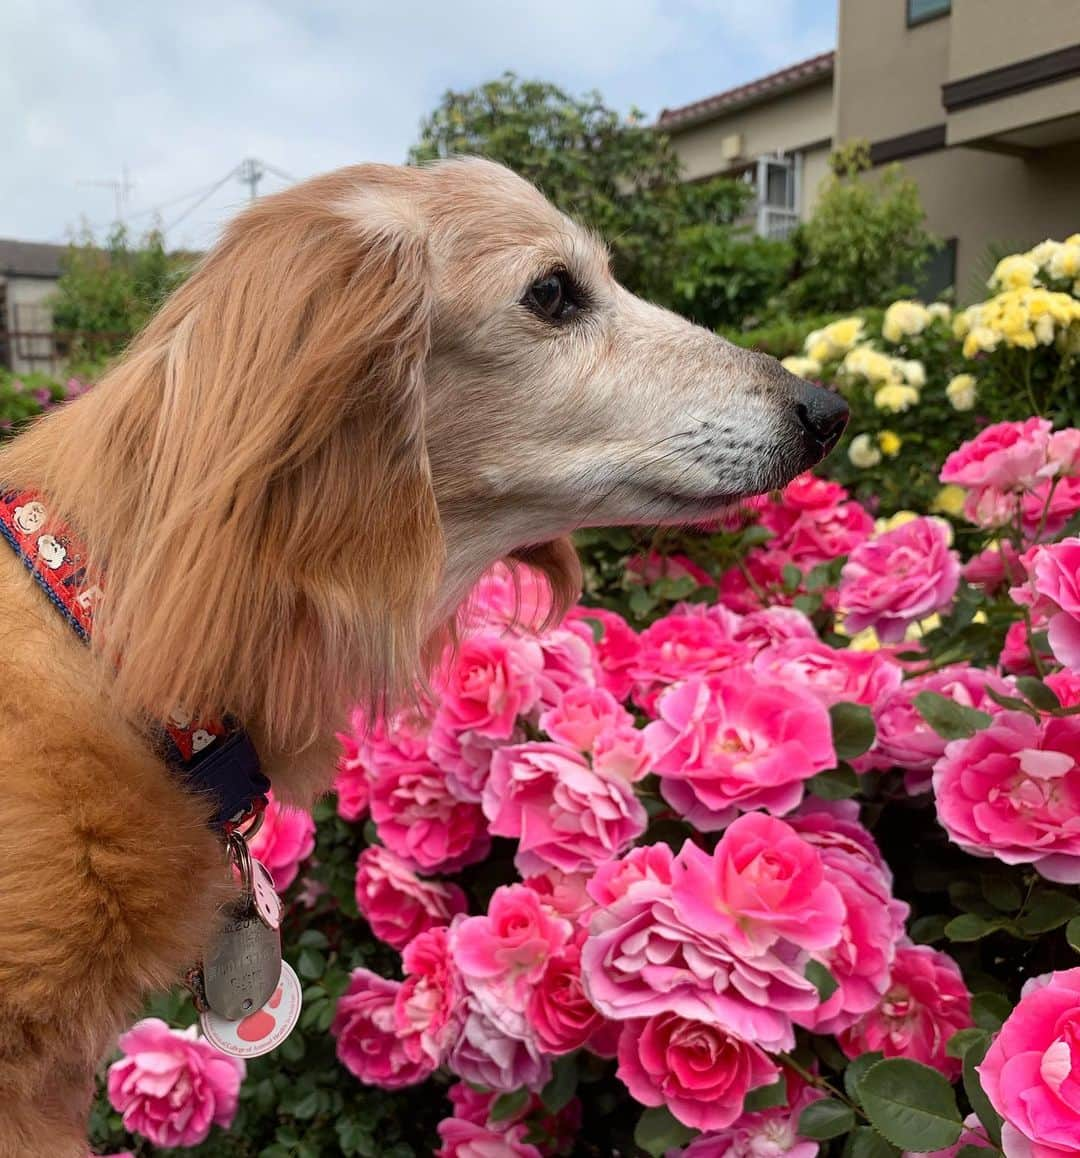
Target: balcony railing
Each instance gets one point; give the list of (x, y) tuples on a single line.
[(775, 223)]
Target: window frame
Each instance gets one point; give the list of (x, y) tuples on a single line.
[(917, 21)]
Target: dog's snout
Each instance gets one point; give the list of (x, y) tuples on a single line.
[(822, 413)]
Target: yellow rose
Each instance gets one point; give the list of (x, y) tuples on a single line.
[(1066, 261), (961, 391), (904, 319), (914, 373), (1013, 272), (863, 453), (883, 526), (820, 351), (890, 443), (843, 334), (865, 640), (981, 340), (801, 367), (949, 501), (940, 310), (895, 399)]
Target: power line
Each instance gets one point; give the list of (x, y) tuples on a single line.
[(195, 205)]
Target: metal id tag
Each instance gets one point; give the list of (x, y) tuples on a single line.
[(241, 971)]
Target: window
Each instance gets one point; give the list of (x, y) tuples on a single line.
[(919, 11)]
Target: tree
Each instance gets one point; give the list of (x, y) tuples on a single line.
[(865, 243), (672, 242)]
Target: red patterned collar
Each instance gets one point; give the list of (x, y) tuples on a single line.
[(215, 758)]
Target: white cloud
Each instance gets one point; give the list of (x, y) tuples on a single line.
[(181, 92)]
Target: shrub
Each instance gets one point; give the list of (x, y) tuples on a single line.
[(25, 396)]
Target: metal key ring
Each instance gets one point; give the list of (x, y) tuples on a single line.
[(241, 857)]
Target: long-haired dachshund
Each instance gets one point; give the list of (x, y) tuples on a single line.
[(378, 383)]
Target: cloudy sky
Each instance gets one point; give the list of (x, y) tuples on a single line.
[(180, 92)]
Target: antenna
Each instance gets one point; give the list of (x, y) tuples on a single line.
[(250, 172), (121, 190)]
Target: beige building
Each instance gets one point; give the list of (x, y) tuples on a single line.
[(979, 99), (29, 272)]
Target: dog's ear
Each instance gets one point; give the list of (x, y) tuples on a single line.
[(284, 548), (559, 562)]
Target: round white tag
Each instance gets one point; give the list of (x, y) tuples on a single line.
[(261, 1031)]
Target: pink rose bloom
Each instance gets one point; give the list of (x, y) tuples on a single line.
[(1016, 655), (562, 813), (396, 903), (368, 1044), (351, 782), (686, 643), (758, 583), (899, 578), (649, 568), (171, 1086), (508, 948), (1031, 1073), (1007, 456), (1012, 791), (904, 739), (728, 743), (993, 567), (807, 492), (773, 626), (286, 837), (417, 816), (490, 681), (834, 675), (819, 536), (485, 1055), (616, 650), (581, 714), (462, 1139), (1066, 686), (427, 1007), (622, 752), (873, 924), (925, 1004), (506, 596), (1055, 575), (700, 1072), (1046, 509), (465, 757), (569, 661), (649, 863), (769, 1133), (762, 884), (563, 893), (561, 1015)]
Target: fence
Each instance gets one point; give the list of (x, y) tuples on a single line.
[(50, 351)]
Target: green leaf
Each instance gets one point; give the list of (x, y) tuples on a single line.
[(307, 1107), (989, 1011), (964, 1039), (1048, 909), (1002, 892), (821, 979), (951, 721), (971, 927), (866, 1142), (765, 1097), (807, 604), (1072, 933), (853, 730), (980, 1103), (1043, 697), (659, 1131), (559, 1091), (856, 1071), (507, 1105), (824, 1119), (837, 784), (792, 577), (926, 930), (1011, 702), (310, 964), (912, 1105)]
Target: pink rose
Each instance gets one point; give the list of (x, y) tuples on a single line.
[(617, 647), (462, 1139), (561, 1015), (368, 1044), (906, 740), (1031, 1073), (1066, 686), (700, 1072), (583, 713), (351, 782), (286, 837), (1046, 509), (993, 567), (649, 863), (688, 642), (465, 757), (563, 893), (649, 568), (899, 578), (621, 752), (505, 951), (488, 682), (925, 1004), (1055, 576), (1012, 791), (562, 813), (1016, 656), (819, 536), (569, 661), (417, 816), (728, 743), (396, 903), (427, 1006), (485, 1055), (861, 961), (171, 1086), (506, 596), (1007, 456), (832, 674), (773, 626)]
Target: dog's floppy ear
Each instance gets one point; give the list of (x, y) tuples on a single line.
[(281, 553)]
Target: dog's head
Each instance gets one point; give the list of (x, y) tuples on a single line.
[(378, 383)]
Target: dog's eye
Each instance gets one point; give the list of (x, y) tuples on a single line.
[(554, 297)]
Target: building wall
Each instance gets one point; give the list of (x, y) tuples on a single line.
[(988, 34), (28, 309), (782, 125)]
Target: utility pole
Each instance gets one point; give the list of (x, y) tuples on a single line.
[(121, 190), (250, 173)]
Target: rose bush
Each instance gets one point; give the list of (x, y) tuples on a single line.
[(768, 849)]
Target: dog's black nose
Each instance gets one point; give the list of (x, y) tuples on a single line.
[(822, 413)]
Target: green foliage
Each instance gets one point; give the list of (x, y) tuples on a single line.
[(671, 242), (779, 337), (864, 242), (25, 396), (911, 1105)]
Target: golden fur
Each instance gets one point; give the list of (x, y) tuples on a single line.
[(291, 480)]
